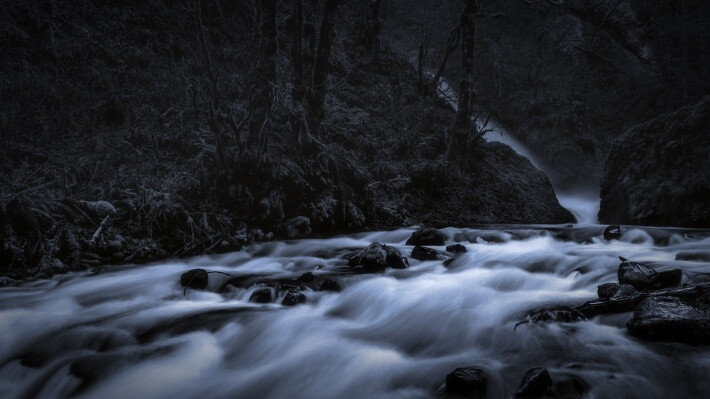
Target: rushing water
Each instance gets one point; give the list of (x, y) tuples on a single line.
[(129, 332)]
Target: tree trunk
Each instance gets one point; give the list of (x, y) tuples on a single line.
[(261, 99), (321, 65), (373, 27), (462, 124)]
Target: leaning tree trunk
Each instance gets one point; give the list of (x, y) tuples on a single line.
[(373, 25), (262, 97), (462, 124), (319, 78)]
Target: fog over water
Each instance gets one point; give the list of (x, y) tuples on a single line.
[(130, 332)]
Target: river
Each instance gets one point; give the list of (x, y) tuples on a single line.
[(132, 332)]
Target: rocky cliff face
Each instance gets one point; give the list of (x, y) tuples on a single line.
[(658, 172)]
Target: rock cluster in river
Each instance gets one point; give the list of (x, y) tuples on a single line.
[(377, 257), (662, 309), (264, 289)]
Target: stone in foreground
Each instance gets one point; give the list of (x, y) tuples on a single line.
[(376, 257), (427, 236), (639, 275), (467, 381), (671, 319), (607, 290), (456, 248), (424, 253), (196, 279), (612, 232), (293, 298), (536, 382)]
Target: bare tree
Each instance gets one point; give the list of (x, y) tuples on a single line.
[(462, 124), (319, 77), (263, 91)]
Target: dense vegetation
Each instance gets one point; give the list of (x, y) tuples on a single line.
[(135, 131)]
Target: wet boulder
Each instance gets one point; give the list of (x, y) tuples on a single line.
[(293, 297), (376, 257), (671, 319), (642, 277), (456, 248), (625, 290), (262, 295), (559, 314), (427, 236), (612, 232), (195, 278), (614, 290), (471, 381), (536, 382), (670, 278), (424, 253), (395, 259), (329, 285), (607, 290)]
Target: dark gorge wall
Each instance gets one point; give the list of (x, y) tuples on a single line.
[(658, 172)]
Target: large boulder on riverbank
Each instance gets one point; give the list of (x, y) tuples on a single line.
[(657, 172), (671, 319)]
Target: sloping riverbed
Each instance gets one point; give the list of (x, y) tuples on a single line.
[(135, 332)]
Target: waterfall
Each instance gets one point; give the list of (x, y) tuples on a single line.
[(582, 205)]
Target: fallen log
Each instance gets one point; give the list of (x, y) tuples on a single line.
[(629, 303)]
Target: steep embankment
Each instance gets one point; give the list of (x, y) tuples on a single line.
[(658, 173), (108, 155)]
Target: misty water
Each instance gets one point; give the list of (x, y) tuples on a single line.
[(132, 332)]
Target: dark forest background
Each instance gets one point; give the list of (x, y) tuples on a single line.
[(135, 130)]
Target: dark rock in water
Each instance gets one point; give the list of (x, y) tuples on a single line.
[(607, 290), (306, 277), (395, 259), (656, 173), (639, 275), (569, 386), (671, 319), (372, 258), (456, 248), (195, 279), (625, 290), (424, 253), (670, 278), (535, 383), (693, 256), (329, 285), (614, 290), (467, 381), (427, 236), (612, 232), (261, 295), (376, 257), (560, 314), (293, 297)]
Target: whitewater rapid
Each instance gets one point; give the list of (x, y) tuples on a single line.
[(129, 332)]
